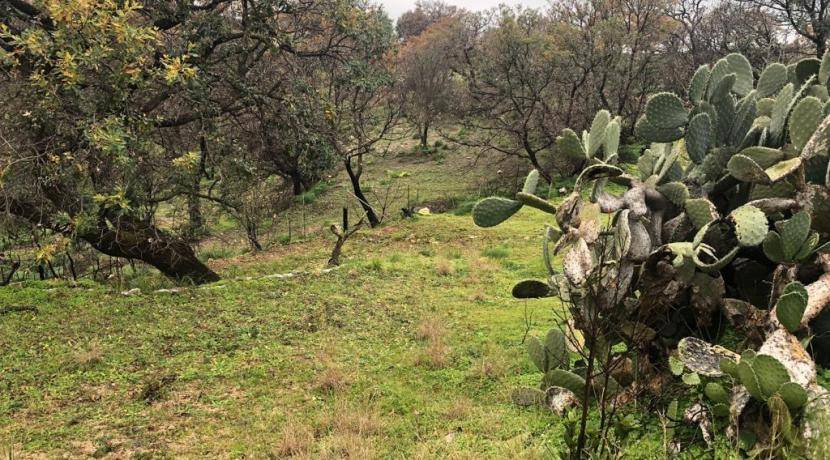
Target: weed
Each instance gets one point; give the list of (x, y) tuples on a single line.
[(496, 252)]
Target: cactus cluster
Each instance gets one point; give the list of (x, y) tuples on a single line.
[(728, 205), (764, 377)]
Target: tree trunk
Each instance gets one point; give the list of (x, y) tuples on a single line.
[(424, 133), (358, 192), (253, 238), (194, 211), (170, 255)]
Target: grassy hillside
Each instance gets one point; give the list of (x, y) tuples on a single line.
[(410, 349)]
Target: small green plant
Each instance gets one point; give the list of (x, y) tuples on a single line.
[(311, 195)]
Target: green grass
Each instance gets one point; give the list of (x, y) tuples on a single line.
[(223, 370), (409, 350)]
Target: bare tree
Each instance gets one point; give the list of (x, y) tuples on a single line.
[(807, 18)]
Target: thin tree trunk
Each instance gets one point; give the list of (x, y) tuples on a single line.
[(253, 238), (424, 135), (371, 215)]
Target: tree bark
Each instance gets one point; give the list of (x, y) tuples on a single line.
[(424, 133), (170, 255), (354, 177), (132, 240)]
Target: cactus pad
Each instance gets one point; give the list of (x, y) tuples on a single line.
[(751, 225), (745, 169), (806, 68), (771, 374), (531, 181), (789, 309), (596, 137), (697, 86), (536, 351), (569, 144), (612, 139), (492, 211), (666, 111), (556, 350), (647, 131), (531, 289), (535, 202), (804, 120), (597, 171), (699, 137), (772, 79), (749, 379), (716, 393), (763, 156), (526, 397), (676, 192), (793, 394), (565, 379), (740, 66), (701, 211), (794, 233)]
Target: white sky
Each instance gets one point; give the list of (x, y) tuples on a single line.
[(396, 7)]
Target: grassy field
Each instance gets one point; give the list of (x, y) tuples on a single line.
[(409, 350)]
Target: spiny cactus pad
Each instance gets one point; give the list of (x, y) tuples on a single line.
[(676, 192), (699, 137), (556, 350), (598, 171), (536, 351), (716, 393), (492, 211), (745, 169), (772, 79), (793, 394), (666, 111), (531, 181), (596, 138), (697, 86), (794, 233), (771, 374), (804, 120), (565, 379), (568, 143), (649, 132), (536, 202), (740, 66), (751, 225), (789, 309), (701, 211)]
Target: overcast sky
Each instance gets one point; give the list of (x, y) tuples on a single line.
[(396, 7)]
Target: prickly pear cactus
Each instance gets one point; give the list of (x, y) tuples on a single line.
[(727, 215)]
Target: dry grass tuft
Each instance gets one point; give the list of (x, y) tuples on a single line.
[(490, 367), (435, 356), (348, 446), (431, 329), (459, 409), (89, 356), (444, 267), (296, 439), (332, 380)]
